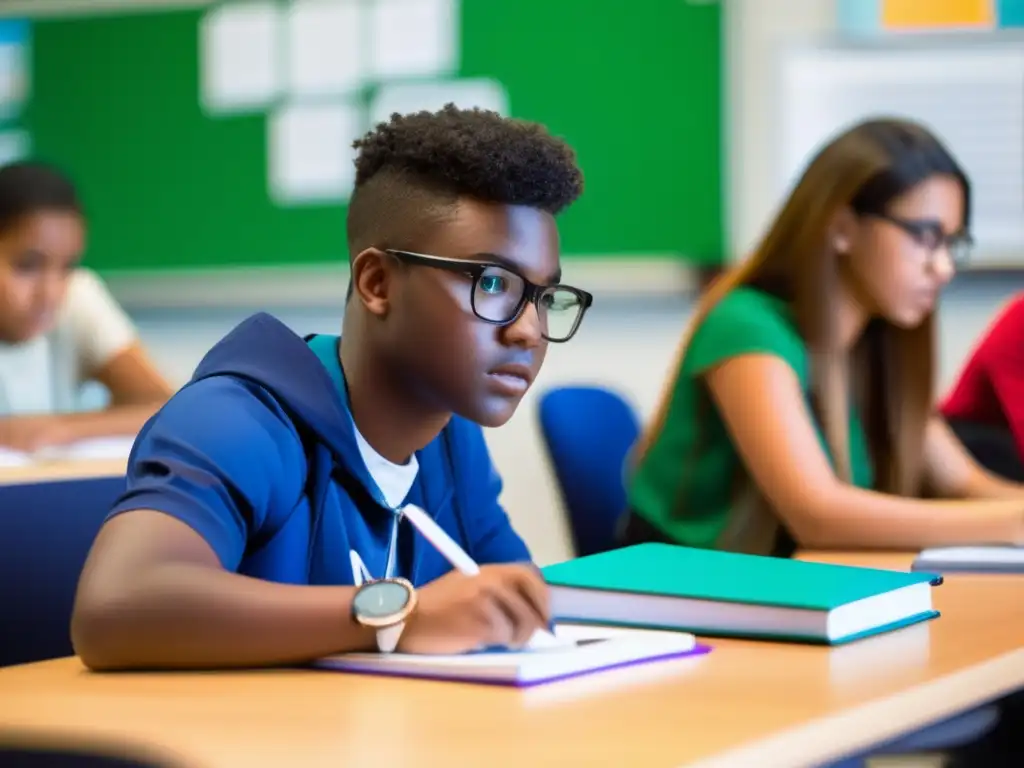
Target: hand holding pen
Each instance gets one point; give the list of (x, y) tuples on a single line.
[(475, 606)]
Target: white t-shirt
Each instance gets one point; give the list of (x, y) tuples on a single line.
[(394, 480), (44, 375)]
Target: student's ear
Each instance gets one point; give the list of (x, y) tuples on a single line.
[(842, 232), (371, 276)]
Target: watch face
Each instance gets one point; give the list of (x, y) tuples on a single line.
[(381, 599)]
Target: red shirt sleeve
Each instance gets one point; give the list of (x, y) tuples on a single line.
[(991, 387)]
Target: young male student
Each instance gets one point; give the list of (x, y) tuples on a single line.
[(259, 521)]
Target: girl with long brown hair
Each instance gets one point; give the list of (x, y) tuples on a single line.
[(801, 413)]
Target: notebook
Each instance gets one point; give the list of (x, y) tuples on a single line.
[(581, 650), (93, 448), (732, 595), (989, 559)]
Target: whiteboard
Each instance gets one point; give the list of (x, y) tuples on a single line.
[(971, 95)]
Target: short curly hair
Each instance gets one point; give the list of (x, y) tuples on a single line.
[(422, 163)]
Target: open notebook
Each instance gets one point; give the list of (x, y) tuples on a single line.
[(580, 650), (990, 559), (95, 448)]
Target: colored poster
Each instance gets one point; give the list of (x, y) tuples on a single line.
[(937, 14), (858, 17), (1011, 13), (14, 35)]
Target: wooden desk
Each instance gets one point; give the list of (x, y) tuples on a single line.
[(746, 703), (62, 470)]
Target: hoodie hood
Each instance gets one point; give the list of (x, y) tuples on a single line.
[(265, 351)]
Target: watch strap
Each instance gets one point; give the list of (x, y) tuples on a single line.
[(387, 637)]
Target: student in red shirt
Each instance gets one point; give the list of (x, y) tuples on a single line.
[(986, 406)]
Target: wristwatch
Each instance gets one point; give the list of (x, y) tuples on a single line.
[(384, 604)]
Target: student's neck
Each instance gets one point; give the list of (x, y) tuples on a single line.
[(388, 417), (852, 319)]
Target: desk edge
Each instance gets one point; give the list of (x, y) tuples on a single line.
[(844, 733)]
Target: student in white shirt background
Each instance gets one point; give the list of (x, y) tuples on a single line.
[(59, 326)]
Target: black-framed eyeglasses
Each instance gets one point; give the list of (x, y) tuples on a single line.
[(929, 234), (500, 294)]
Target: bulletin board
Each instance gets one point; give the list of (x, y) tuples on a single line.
[(221, 136)]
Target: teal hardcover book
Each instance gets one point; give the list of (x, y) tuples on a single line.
[(726, 594)]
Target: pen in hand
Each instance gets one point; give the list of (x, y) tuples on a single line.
[(462, 562)]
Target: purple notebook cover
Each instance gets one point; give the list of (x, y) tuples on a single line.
[(697, 650)]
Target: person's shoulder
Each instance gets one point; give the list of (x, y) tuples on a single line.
[(226, 414), (747, 306), (92, 317), (228, 428), (221, 458), (745, 321), (84, 287)]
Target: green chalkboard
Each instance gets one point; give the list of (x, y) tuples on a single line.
[(635, 87)]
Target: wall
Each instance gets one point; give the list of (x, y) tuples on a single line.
[(754, 30)]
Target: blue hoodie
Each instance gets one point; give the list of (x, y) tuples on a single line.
[(258, 454)]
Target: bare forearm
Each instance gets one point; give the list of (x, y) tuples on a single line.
[(988, 486), (855, 518), (114, 421), (193, 616), (952, 473)]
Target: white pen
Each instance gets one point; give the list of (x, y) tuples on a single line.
[(461, 560)]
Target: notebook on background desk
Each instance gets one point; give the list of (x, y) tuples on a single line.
[(95, 448), (582, 650), (991, 559)]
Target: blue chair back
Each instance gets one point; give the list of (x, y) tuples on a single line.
[(588, 432), (46, 531)]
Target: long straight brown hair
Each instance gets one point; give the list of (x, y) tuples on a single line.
[(890, 371)]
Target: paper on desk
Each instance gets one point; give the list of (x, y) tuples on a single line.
[(9, 458), (586, 649), (568, 639), (95, 448), (569, 636), (542, 639)]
